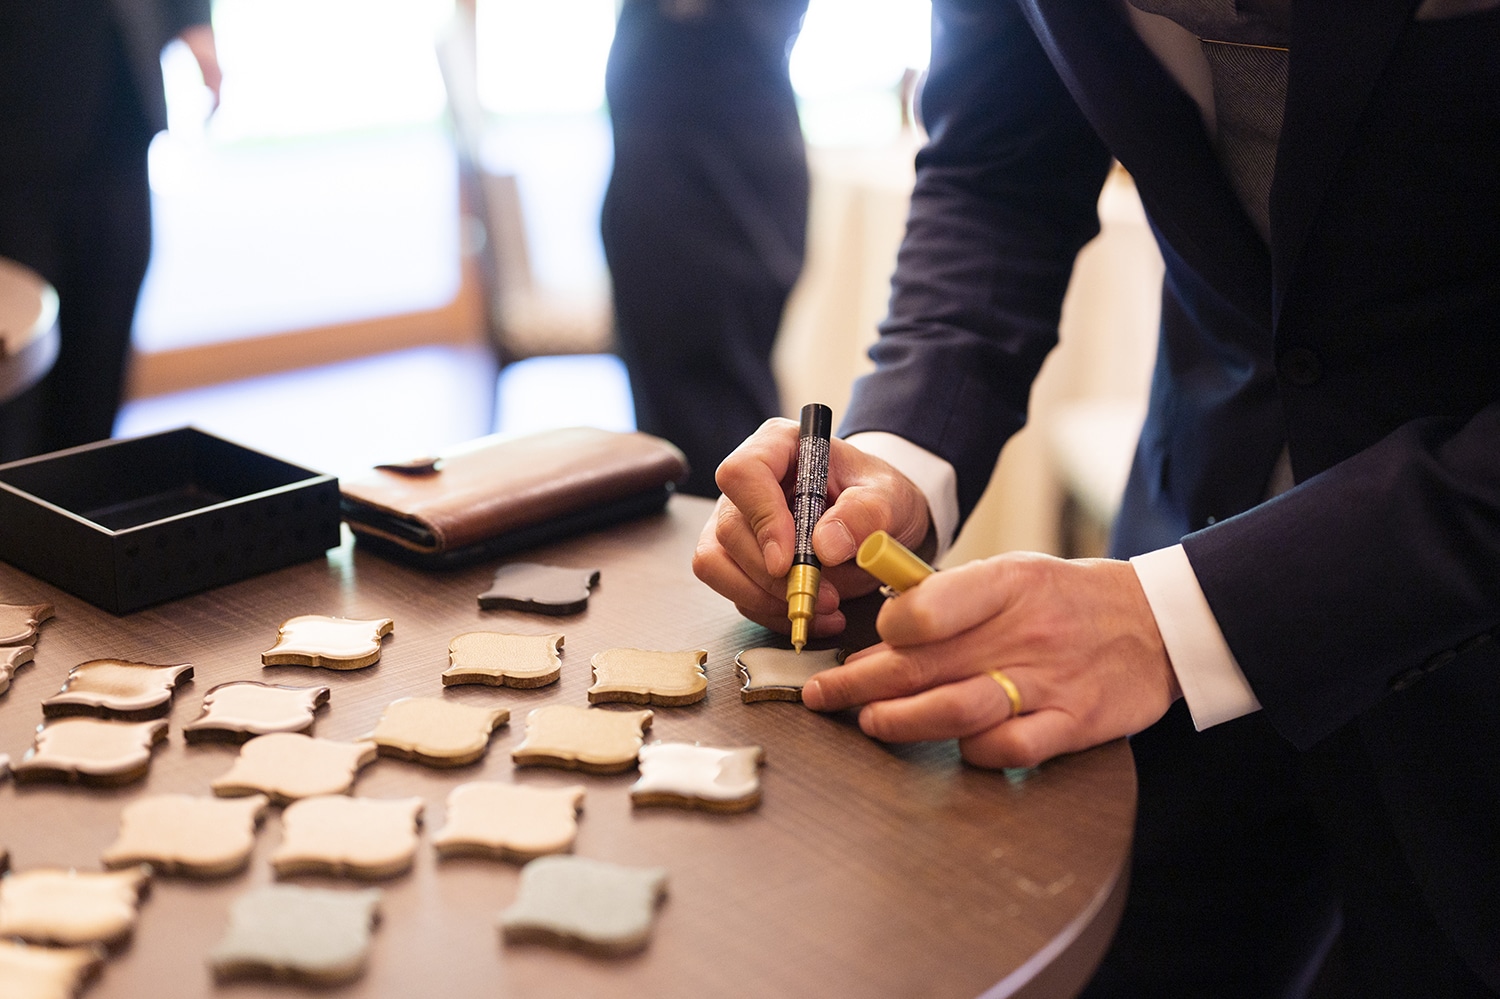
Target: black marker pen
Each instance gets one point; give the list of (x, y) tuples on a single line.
[(809, 500)]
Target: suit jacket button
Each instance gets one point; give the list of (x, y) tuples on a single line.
[(1300, 366), (1403, 680)]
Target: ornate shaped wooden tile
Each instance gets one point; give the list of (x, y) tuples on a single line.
[(586, 904), (641, 676), (185, 834), (12, 659), (29, 972), (237, 711), (500, 660), (357, 837), (288, 765), (114, 688), (91, 750), (330, 642), (436, 732), (19, 622), (314, 935), (693, 776), (70, 908), (779, 674), (594, 740), (540, 589), (509, 821)]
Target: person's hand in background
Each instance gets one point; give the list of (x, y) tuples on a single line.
[(199, 38)]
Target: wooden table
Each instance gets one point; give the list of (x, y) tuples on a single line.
[(867, 871)]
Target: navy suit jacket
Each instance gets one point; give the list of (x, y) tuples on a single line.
[(1365, 340)]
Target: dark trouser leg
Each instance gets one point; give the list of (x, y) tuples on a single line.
[(704, 241), (91, 239), (698, 351), (107, 240), (1391, 947), (1231, 892), (1248, 855)]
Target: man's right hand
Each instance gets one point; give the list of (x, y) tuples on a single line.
[(745, 551)]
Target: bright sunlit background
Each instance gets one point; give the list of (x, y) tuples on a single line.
[(296, 68), (324, 189), (312, 68), (848, 63), (540, 58)]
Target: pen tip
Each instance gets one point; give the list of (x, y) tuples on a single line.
[(799, 633)]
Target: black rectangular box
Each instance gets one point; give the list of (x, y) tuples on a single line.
[(129, 523)]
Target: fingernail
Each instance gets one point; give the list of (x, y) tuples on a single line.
[(812, 695), (773, 557), (835, 543)]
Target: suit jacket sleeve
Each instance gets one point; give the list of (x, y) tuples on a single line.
[(1364, 578), (1006, 195)]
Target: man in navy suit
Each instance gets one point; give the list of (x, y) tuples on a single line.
[(80, 99), (1312, 520)]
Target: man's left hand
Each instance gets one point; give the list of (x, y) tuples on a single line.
[(1076, 637)]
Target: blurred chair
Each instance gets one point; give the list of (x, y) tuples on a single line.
[(28, 328), (522, 317)]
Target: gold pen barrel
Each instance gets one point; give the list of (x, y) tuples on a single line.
[(801, 600), (891, 562)]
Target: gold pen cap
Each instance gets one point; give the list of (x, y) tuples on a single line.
[(891, 562)]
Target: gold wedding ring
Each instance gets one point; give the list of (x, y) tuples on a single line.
[(1009, 686)]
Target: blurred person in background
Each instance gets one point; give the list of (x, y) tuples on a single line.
[(705, 219), (81, 96)]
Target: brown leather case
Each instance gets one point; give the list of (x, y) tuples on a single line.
[(499, 494)]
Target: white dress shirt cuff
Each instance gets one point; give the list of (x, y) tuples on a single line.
[(1212, 682), (932, 476)]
